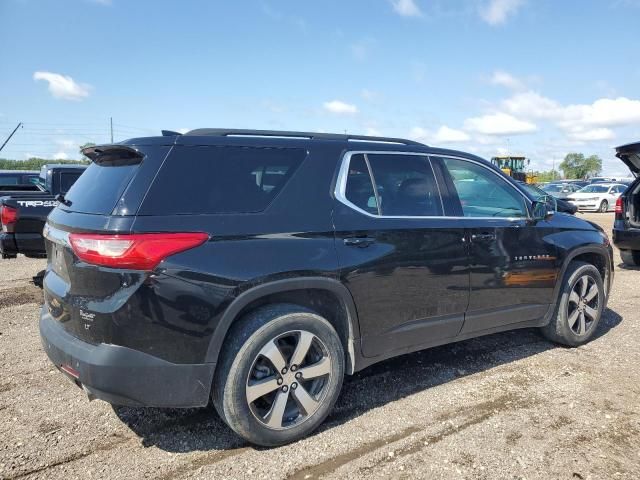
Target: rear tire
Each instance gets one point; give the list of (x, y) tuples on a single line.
[(580, 306), (604, 207), (279, 375), (630, 257)]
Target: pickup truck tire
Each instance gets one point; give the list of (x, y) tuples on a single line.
[(630, 257), (579, 308), (279, 375)]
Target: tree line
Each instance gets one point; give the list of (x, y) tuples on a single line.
[(36, 163)]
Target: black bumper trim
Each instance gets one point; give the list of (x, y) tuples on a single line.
[(628, 239), (123, 376)]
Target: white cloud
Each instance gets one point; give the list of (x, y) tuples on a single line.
[(496, 12), (499, 124), (406, 8), (183, 130), (604, 112), (60, 156), (373, 132), (584, 122), (507, 80), (340, 108), (443, 134), (592, 135), (63, 86)]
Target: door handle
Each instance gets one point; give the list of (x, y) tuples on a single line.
[(483, 237), (358, 241)]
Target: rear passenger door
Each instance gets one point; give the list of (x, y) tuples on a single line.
[(403, 260)]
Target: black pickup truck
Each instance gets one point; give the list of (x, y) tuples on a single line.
[(23, 211)]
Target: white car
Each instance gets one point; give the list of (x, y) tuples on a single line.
[(597, 197)]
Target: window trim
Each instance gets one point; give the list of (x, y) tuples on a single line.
[(343, 174)]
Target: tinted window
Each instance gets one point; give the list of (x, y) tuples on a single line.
[(66, 180), (99, 187), (406, 185), (9, 179), (197, 180), (483, 193), (594, 189), (359, 189)]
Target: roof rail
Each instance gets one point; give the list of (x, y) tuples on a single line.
[(227, 132)]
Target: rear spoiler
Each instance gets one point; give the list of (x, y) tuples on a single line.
[(113, 154)]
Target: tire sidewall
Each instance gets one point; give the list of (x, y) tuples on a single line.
[(604, 206), (562, 328), (235, 409)]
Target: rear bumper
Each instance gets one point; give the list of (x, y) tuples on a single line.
[(8, 247), (123, 376), (30, 244), (627, 239)]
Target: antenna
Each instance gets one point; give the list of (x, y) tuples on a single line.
[(11, 135)]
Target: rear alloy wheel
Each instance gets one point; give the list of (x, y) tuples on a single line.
[(604, 206), (280, 376), (630, 257), (580, 306)]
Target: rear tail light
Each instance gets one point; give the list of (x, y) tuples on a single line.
[(143, 251), (619, 205), (8, 215)]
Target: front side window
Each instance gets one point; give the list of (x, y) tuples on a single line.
[(483, 193)]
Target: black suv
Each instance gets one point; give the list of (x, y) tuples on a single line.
[(626, 227), (256, 268)]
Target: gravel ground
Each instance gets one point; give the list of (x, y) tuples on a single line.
[(506, 406)]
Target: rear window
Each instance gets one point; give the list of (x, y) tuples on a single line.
[(201, 180), (67, 180), (9, 180), (99, 187)]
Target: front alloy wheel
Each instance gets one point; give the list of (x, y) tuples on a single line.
[(582, 308)]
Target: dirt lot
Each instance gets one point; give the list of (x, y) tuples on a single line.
[(509, 406)]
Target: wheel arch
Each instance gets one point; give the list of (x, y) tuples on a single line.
[(597, 256), (328, 297)]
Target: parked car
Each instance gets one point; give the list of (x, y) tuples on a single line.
[(560, 190), (23, 212), (255, 269), (559, 205), (600, 180), (626, 227), (597, 197), (17, 177)]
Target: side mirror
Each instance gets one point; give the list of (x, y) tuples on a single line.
[(544, 207)]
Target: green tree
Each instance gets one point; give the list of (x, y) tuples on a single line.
[(575, 165), (548, 176)]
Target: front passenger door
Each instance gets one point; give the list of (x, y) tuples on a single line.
[(513, 266)]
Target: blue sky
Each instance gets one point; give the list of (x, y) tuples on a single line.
[(538, 77)]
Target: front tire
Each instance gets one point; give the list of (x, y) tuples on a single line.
[(604, 207), (279, 375), (630, 257), (580, 306)]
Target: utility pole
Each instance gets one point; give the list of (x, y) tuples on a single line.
[(9, 138), (111, 124)]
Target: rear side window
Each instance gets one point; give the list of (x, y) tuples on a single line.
[(9, 180), (201, 180), (359, 190)]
